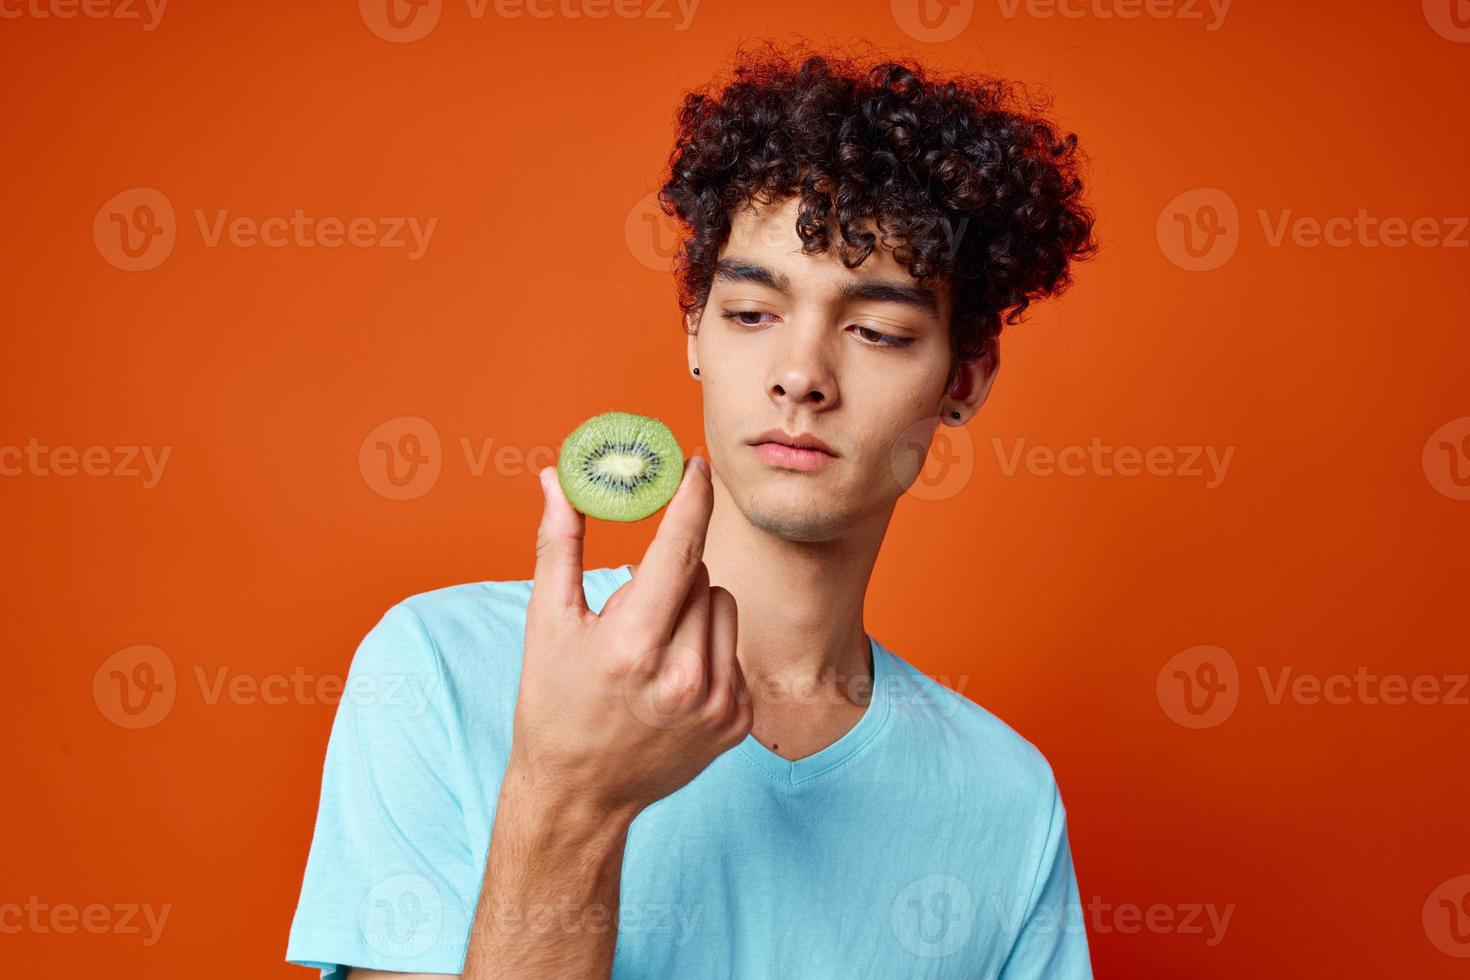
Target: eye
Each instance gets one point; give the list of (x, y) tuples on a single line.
[(734, 315), (877, 339)]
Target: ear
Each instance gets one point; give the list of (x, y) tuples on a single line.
[(691, 346), (972, 386)]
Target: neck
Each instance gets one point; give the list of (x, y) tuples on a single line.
[(800, 602)]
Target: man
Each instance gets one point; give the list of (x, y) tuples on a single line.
[(704, 766)]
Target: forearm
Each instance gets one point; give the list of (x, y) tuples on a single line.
[(548, 905)]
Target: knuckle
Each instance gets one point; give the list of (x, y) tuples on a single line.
[(546, 541), (617, 666), (621, 659), (681, 685), (689, 551), (685, 676), (718, 706)]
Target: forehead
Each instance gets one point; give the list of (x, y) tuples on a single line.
[(768, 231)]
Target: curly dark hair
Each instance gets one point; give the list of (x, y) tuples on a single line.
[(962, 175)]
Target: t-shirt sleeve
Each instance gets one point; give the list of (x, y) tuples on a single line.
[(1052, 942), (390, 881)]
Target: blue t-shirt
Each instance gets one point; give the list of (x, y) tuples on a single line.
[(928, 841)]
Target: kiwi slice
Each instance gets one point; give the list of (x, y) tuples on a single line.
[(618, 466)]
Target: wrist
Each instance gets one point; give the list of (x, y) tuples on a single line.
[(558, 812)]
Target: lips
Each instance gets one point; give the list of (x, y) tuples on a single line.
[(801, 451), (792, 458), (798, 441)]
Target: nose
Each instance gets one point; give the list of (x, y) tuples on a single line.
[(803, 376)]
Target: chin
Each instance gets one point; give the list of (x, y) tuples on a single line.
[(796, 516)]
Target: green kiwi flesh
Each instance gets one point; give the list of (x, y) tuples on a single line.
[(619, 466)]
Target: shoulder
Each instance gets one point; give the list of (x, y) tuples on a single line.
[(471, 620), (450, 658), (973, 742)]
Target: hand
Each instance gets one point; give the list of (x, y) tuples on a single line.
[(619, 709)]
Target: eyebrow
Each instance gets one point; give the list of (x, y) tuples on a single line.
[(872, 290)]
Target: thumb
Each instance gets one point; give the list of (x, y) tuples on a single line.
[(558, 582)]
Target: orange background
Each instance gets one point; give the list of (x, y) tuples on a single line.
[(1056, 601)]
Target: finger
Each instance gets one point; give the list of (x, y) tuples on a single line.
[(669, 564), (614, 599), (692, 629), (681, 667), (618, 594), (558, 581), (725, 672)]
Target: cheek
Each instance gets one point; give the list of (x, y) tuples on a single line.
[(896, 439), (892, 406)]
